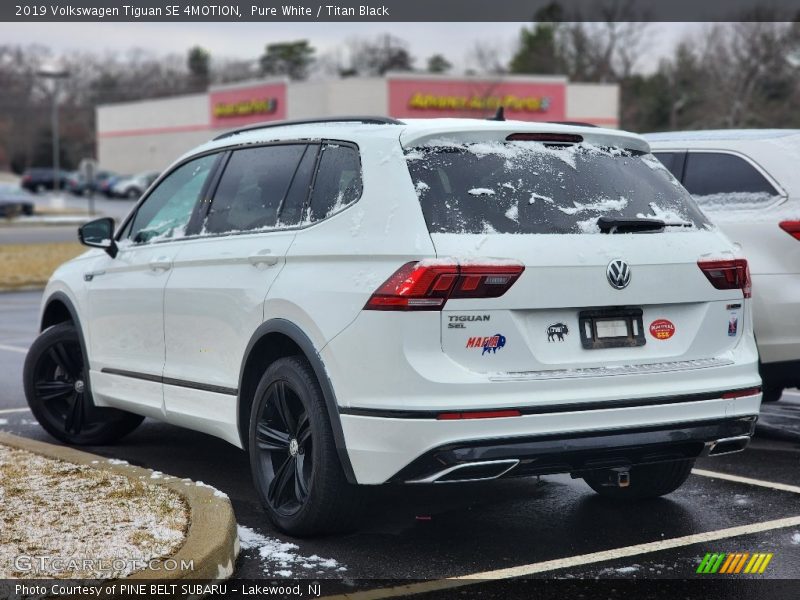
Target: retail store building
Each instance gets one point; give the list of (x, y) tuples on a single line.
[(150, 134)]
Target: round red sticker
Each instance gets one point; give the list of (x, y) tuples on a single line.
[(661, 329)]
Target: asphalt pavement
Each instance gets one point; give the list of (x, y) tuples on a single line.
[(553, 528)]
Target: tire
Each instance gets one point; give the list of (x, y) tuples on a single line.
[(771, 393), (54, 377), (293, 458), (646, 481), (132, 194)]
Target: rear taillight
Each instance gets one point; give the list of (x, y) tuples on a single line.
[(791, 227), (427, 285), (731, 274)]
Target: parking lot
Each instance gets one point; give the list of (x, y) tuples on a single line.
[(553, 527)]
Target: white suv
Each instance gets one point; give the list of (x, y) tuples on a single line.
[(368, 301), (747, 182)]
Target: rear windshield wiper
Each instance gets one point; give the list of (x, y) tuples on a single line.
[(635, 225)]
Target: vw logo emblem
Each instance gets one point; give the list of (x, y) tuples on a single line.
[(618, 273)]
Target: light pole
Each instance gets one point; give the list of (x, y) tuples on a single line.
[(55, 73)]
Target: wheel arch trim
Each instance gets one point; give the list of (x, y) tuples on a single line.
[(303, 341), (64, 299)]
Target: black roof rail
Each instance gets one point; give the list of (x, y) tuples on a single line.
[(366, 120)]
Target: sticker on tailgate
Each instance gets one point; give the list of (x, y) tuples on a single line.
[(489, 344), (662, 329)]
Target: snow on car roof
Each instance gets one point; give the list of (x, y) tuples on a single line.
[(719, 135)]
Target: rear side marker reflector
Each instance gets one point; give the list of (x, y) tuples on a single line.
[(741, 393), (791, 227), (728, 274), (482, 414), (427, 285)]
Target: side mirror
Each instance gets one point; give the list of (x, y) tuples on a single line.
[(99, 234)]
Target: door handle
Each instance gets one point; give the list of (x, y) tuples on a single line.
[(162, 263), (263, 257)]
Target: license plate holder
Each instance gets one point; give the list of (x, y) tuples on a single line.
[(611, 328)]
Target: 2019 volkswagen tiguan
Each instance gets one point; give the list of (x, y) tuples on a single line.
[(368, 300)]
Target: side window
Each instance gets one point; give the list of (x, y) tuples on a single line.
[(709, 174), (252, 188), (338, 181), (167, 210), (292, 211), (673, 161)]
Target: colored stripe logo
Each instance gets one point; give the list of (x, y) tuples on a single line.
[(734, 563)]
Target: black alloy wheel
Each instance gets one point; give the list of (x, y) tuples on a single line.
[(284, 443), (58, 394), (293, 456)]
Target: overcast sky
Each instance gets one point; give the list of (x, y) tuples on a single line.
[(247, 40)]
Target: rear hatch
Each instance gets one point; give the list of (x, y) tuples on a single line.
[(609, 242)]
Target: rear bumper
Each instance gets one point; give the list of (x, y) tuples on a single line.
[(409, 447), (574, 453)]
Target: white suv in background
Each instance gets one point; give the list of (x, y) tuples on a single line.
[(748, 183), (368, 300)]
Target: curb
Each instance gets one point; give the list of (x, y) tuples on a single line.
[(212, 541)]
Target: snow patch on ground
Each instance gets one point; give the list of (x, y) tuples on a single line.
[(282, 558), (54, 508), (796, 538)]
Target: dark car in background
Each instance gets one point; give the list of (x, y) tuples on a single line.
[(14, 201), (40, 179), (80, 186), (106, 186)]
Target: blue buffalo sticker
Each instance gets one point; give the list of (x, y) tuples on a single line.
[(489, 344)]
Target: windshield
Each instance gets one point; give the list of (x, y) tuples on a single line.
[(531, 187)]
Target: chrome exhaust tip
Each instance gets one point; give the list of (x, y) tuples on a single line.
[(473, 471), (726, 445)]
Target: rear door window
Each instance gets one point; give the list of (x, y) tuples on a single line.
[(531, 187), (717, 178), (337, 184), (673, 161), (252, 188)]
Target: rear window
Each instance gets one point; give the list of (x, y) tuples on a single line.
[(531, 187)]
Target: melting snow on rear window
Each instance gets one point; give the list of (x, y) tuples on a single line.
[(531, 187)]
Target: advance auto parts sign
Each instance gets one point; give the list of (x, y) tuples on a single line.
[(236, 106), (528, 101)]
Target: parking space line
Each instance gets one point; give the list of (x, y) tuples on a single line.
[(593, 557), (13, 349), (738, 479), (8, 411)]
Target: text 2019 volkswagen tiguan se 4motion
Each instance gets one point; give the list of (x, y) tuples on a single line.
[(368, 301)]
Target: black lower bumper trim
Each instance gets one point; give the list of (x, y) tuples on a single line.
[(584, 451)]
